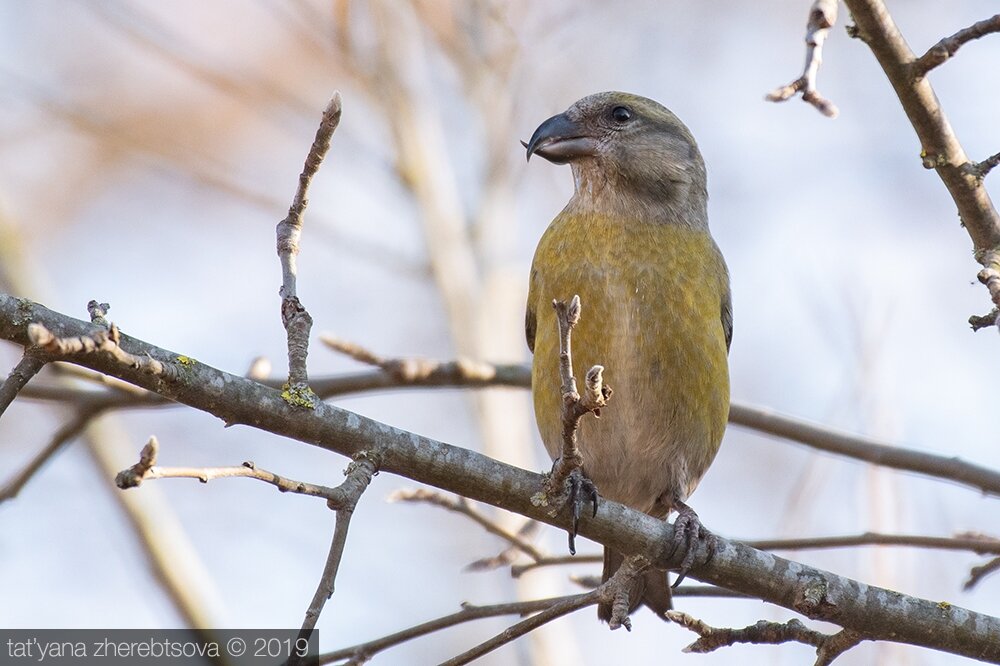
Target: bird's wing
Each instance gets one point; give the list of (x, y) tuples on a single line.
[(530, 321), (727, 316)]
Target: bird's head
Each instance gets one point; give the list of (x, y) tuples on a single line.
[(630, 144)]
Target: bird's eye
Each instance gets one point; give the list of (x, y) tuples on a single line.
[(621, 114)]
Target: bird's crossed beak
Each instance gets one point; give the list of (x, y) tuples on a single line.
[(560, 140)]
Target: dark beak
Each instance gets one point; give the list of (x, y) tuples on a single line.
[(560, 140)]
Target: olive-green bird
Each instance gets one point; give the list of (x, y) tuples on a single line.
[(633, 243)]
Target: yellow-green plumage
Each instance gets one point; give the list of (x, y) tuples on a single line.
[(633, 243), (651, 296)]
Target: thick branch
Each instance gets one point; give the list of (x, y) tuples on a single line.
[(882, 614), (947, 47)]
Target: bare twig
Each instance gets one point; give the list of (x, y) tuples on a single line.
[(982, 571), (365, 651), (359, 475), (508, 555), (941, 149), (947, 47), (822, 17), (867, 449), (574, 405), (294, 317), (63, 436), (29, 366), (828, 646), (103, 340), (146, 469), (97, 313), (462, 506), (976, 543), (463, 372), (613, 590)]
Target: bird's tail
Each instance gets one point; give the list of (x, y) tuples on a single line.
[(651, 588)]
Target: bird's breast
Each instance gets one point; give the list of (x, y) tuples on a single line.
[(651, 314)]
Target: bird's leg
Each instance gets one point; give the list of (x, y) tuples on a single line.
[(688, 531), (581, 490)]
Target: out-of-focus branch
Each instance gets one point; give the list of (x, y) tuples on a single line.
[(940, 148), (29, 366), (68, 432), (977, 574), (976, 543), (822, 17), (880, 613), (947, 47), (828, 646), (363, 652), (867, 449), (462, 506), (422, 373), (294, 317)]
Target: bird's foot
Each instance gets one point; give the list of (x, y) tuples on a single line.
[(688, 531)]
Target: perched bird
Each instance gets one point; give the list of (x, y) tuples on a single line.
[(633, 243)]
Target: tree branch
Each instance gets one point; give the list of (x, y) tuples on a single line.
[(29, 366), (880, 613), (822, 17), (68, 432), (828, 646), (941, 150), (863, 448), (947, 47), (294, 317)]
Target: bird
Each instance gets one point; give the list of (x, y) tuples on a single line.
[(633, 243)]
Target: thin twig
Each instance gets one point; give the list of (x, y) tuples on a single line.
[(294, 317), (977, 543), (421, 371), (359, 476), (146, 469), (574, 405), (524, 626), (29, 366), (828, 646), (462, 506), (106, 341), (947, 47), (365, 651), (508, 555), (69, 431), (822, 17), (980, 572)]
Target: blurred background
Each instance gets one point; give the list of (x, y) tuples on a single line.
[(148, 149)]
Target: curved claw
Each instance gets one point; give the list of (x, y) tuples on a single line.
[(581, 489), (688, 530)]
